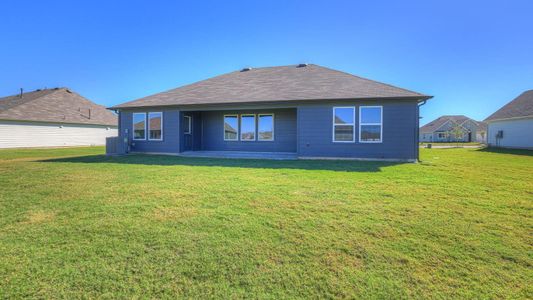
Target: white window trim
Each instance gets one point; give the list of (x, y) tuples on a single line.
[(224, 128), (189, 120), (133, 126), (148, 123), (345, 124), (259, 118), (380, 124), (255, 127)]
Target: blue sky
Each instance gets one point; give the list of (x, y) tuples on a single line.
[(473, 56)]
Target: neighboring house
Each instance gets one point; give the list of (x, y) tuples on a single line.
[(443, 129), (53, 117), (304, 110), (512, 125)]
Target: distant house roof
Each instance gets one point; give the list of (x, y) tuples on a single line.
[(457, 119), (521, 106), (55, 105), (269, 84)]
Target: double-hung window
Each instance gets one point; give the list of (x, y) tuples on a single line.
[(248, 127), (344, 124), (139, 126), (265, 127), (155, 126), (231, 128), (370, 124)]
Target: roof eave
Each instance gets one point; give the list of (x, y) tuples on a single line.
[(416, 98)]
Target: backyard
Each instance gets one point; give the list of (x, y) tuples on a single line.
[(77, 224)]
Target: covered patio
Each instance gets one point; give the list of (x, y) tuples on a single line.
[(241, 154)]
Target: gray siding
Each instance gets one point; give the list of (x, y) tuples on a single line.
[(306, 130), (400, 122), (284, 132), (171, 137), (517, 133)]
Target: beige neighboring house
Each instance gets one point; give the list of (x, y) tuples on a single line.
[(52, 118), (442, 130), (512, 125)]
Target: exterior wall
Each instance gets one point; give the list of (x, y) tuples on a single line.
[(14, 134), (284, 132), (426, 137), (399, 139), (171, 138), (517, 133)]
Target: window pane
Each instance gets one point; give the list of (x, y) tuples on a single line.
[(247, 128), (370, 115), (266, 127), (139, 123), (230, 127), (154, 120), (344, 115), (344, 133), (371, 133), (187, 124)]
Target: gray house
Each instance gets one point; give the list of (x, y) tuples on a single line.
[(296, 111), (512, 125), (443, 129)]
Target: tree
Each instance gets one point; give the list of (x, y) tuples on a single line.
[(457, 132)]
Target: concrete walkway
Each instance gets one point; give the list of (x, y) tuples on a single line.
[(241, 154)]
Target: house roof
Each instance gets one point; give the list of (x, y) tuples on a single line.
[(284, 83), (457, 119), (55, 105), (521, 106)]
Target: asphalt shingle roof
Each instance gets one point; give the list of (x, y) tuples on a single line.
[(55, 105), (521, 106), (458, 119), (284, 83)]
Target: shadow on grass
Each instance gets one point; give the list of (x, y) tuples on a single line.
[(507, 151), (163, 160)]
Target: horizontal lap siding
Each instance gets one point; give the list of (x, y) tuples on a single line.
[(315, 132), (517, 133), (15, 134), (284, 132), (170, 142)]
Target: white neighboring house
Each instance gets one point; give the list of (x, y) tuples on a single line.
[(512, 125), (441, 130), (52, 118)]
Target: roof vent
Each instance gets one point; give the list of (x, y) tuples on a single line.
[(246, 69), (302, 65)]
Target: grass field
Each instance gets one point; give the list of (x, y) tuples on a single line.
[(77, 224)]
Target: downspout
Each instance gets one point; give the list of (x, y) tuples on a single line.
[(417, 135)]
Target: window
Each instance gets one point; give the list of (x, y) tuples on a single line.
[(370, 124), (231, 125), (343, 124), (155, 126), (265, 127), (442, 135), (187, 124), (247, 127), (139, 126)]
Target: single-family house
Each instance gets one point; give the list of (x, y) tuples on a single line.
[(512, 125), (53, 117), (454, 129), (300, 110)]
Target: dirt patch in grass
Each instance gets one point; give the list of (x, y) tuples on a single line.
[(40, 216), (174, 213)]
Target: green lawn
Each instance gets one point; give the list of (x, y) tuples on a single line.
[(77, 224)]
